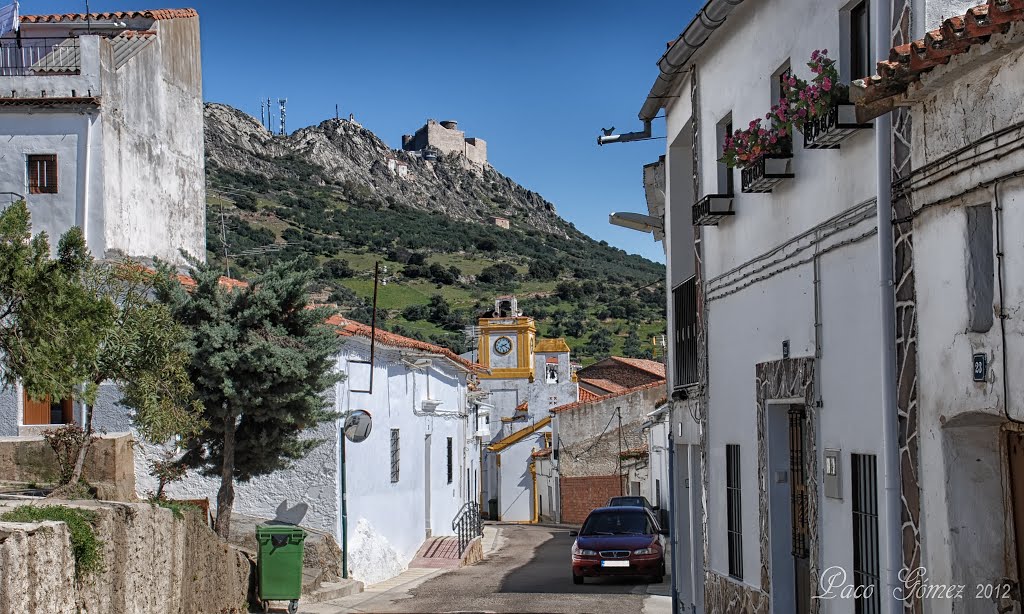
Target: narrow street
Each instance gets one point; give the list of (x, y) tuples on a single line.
[(527, 570)]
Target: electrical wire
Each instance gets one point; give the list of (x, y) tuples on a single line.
[(597, 439)]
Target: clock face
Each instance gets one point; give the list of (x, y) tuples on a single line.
[(503, 345)]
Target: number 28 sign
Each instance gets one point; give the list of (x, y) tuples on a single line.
[(980, 367)]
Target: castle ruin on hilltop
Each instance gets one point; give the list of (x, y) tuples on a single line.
[(445, 137)]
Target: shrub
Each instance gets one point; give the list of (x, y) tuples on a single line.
[(84, 544), (66, 442)]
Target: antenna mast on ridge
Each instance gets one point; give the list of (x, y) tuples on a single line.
[(282, 102)]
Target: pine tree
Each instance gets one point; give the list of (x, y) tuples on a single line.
[(260, 361)]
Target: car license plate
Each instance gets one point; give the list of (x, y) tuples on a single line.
[(614, 563)]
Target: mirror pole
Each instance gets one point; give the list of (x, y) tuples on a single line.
[(344, 511)]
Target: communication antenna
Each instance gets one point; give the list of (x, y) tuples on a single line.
[(335, 111), (263, 118), (270, 125), (282, 102)]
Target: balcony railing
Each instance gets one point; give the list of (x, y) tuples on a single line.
[(28, 57), (828, 131), (710, 210)]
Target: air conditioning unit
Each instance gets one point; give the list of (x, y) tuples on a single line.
[(430, 404)]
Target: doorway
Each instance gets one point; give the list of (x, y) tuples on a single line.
[(787, 508)]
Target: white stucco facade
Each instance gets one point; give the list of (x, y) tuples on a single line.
[(388, 520), (797, 266), (126, 126), (970, 291)]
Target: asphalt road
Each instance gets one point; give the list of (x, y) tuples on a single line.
[(529, 572)]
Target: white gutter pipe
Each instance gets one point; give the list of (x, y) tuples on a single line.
[(893, 546)]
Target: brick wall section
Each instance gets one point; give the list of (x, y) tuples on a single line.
[(582, 494)]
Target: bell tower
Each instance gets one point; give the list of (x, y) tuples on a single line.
[(507, 340)]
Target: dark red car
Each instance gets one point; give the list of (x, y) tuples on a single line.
[(619, 541)]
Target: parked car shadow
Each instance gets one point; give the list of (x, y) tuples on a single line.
[(549, 571)]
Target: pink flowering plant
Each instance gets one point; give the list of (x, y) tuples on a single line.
[(744, 147), (801, 101)]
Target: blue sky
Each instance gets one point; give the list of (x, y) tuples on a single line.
[(535, 79)]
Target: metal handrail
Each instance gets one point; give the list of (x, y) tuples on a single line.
[(467, 525), (20, 57)]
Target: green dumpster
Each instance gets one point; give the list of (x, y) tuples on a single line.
[(279, 564)]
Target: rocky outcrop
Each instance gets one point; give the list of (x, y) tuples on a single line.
[(345, 156), (152, 562)]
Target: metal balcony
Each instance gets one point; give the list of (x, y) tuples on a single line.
[(39, 57), (828, 131), (709, 210)]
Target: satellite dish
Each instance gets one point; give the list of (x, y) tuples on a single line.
[(357, 425)]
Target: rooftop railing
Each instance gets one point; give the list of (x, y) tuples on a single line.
[(41, 57)]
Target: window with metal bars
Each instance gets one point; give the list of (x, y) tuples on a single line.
[(798, 482), (865, 533), (685, 315), (450, 465), (394, 455), (42, 173), (734, 510)]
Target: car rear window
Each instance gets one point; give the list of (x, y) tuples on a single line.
[(620, 501), (617, 523)]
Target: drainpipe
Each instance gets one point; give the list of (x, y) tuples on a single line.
[(676, 555), (890, 426), (86, 182), (536, 495)]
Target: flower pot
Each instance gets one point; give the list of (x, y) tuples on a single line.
[(829, 130), (709, 210), (767, 172)]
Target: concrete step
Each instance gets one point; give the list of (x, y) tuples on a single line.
[(329, 591)]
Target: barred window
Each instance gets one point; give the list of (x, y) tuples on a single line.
[(450, 465), (394, 455), (42, 174), (734, 511)]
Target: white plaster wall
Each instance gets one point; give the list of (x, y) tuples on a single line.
[(732, 79), (977, 93), (68, 135), (657, 446), (515, 499), (850, 386), (10, 412), (544, 396), (155, 190), (393, 515)]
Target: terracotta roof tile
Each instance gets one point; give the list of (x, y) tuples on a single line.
[(148, 14), (542, 453), (350, 328), (581, 402), (604, 384), (650, 366), (906, 63), (523, 406), (586, 395)]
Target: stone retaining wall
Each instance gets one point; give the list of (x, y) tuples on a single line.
[(152, 562)]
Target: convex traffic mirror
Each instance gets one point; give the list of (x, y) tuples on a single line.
[(357, 425)]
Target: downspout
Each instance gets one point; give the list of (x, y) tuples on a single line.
[(673, 510), (87, 163), (536, 494), (890, 426)]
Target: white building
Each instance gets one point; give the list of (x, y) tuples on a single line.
[(406, 483), (525, 379), (958, 204), (102, 124), (813, 442)]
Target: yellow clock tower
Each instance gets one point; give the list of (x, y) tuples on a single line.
[(507, 341)]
